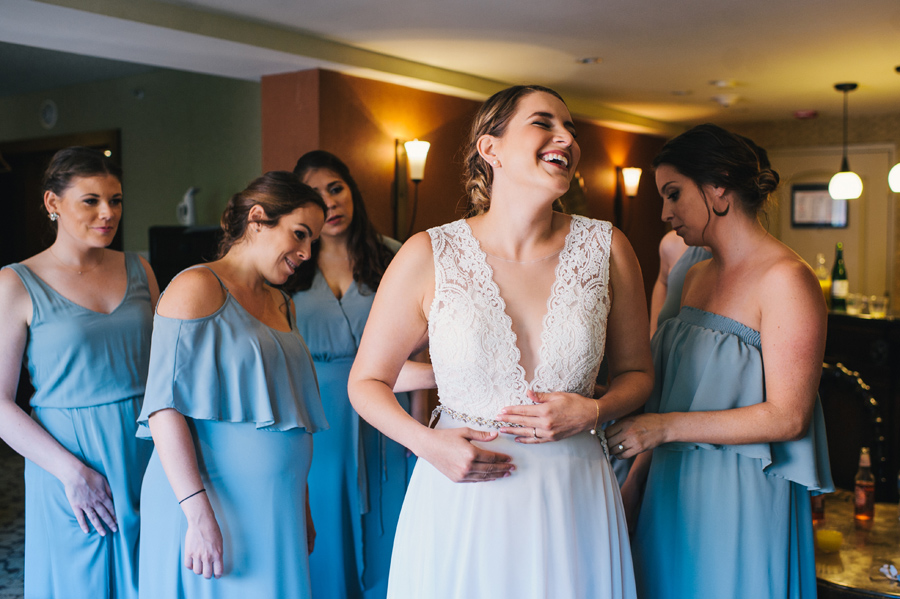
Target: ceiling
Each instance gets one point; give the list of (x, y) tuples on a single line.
[(662, 65)]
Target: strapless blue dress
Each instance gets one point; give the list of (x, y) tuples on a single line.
[(724, 520)]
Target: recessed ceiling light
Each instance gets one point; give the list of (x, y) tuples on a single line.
[(726, 100), (722, 83), (590, 60)]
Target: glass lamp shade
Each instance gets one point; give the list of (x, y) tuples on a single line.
[(894, 178), (416, 152), (632, 178), (845, 185)]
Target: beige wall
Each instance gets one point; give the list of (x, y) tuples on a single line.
[(187, 130), (809, 151)]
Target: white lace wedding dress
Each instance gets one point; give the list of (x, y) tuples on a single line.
[(555, 528)]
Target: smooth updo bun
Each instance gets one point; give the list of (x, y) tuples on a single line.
[(710, 155)]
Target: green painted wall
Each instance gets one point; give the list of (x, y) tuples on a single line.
[(187, 130)]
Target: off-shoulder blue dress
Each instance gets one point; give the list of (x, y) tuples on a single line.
[(249, 395), (358, 476), (724, 520), (88, 370)]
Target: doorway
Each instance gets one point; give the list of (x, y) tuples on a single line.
[(24, 226)]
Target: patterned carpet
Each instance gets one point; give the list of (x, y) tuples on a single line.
[(12, 523)]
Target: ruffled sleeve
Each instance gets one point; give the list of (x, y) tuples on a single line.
[(707, 362), (231, 368)]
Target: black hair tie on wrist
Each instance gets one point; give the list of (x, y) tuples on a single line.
[(191, 495)]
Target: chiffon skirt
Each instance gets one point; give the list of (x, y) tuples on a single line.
[(256, 483), (357, 482), (554, 528), (60, 560), (713, 524)]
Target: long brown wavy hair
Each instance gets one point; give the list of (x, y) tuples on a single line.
[(368, 255)]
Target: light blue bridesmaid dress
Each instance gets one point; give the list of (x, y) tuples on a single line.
[(724, 520), (675, 281), (88, 370), (358, 477), (672, 304), (249, 395)]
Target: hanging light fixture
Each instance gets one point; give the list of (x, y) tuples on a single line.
[(845, 185), (894, 178), (894, 174)]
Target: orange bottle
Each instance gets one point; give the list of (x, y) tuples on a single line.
[(864, 495)]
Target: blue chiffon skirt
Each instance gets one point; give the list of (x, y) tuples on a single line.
[(713, 524), (256, 483), (60, 560)]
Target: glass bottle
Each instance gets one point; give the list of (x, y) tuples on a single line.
[(864, 494), (824, 278), (817, 503), (840, 287)]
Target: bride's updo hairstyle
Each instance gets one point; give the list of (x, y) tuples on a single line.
[(492, 118), (277, 192), (710, 155)]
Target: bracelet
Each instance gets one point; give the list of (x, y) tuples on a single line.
[(191, 495), (597, 419)]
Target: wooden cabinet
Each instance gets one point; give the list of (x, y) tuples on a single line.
[(871, 347)]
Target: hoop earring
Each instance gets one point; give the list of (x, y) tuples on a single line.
[(722, 213), (54, 216)]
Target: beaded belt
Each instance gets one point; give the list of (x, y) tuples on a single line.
[(471, 419), (600, 434)]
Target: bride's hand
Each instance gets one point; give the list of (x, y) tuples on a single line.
[(554, 416), (457, 458)]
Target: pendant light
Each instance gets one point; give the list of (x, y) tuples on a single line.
[(894, 174), (845, 185)]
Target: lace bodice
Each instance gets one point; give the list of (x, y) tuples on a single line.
[(472, 343)]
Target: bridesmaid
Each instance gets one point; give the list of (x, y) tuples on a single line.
[(80, 314), (358, 477), (231, 402), (733, 435)]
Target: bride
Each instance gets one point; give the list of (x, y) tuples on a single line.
[(518, 304)]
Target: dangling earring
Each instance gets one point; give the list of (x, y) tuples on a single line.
[(54, 216), (722, 213), (259, 227)]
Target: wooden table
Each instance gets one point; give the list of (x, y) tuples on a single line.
[(853, 572)]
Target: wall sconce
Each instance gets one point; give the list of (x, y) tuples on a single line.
[(627, 181), (409, 160), (845, 185), (416, 153), (632, 178)]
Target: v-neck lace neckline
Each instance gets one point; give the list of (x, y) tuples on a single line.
[(499, 304)]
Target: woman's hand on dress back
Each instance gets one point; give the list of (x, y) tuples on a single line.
[(636, 434), (456, 457), (203, 548), (555, 416), (91, 499)]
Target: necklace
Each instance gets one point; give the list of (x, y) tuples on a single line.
[(547, 257), (80, 272)]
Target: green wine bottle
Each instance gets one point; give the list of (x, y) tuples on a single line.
[(840, 288)]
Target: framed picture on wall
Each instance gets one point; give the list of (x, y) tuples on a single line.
[(811, 206)]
